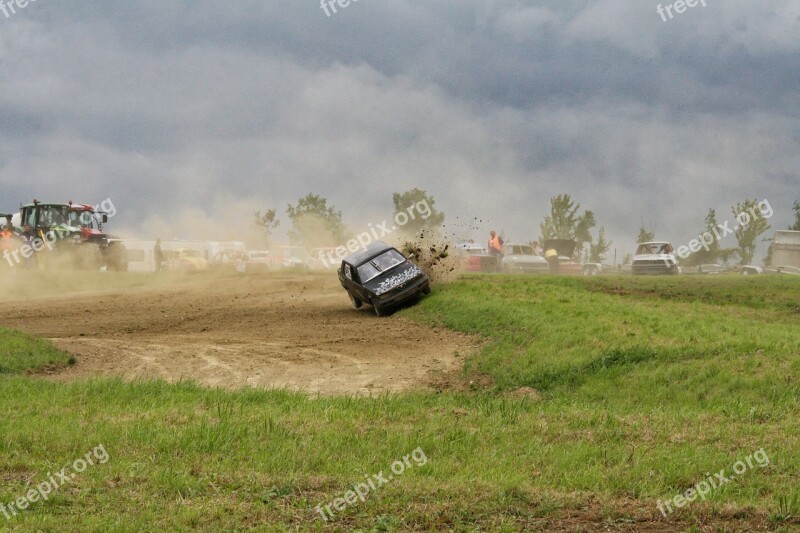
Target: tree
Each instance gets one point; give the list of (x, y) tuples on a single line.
[(770, 252), (418, 209), (598, 250), (266, 222), (750, 226), (314, 223), (796, 225), (563, 222), (714, 253), (645, 235)]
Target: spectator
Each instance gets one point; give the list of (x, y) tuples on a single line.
[(158, 255), (551, 256), (495, 244)]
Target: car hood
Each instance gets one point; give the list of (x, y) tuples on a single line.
[(565, 247), (654, 257), (403, 273), (524, 259)]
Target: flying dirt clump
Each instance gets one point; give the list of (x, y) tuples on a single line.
[(432, 254)]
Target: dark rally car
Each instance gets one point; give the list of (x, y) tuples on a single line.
[(382, 277)]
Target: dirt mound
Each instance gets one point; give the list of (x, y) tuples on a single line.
[(293, 331)]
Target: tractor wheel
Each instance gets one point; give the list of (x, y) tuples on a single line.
[(116, 257)]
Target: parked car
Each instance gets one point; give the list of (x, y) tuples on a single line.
[(288, 256), (751, 270), (655, 258), (713, 269), (382, 277), (475, 258), (522, 258), (257, 261), (185, 259), (791, 270), (593, 269), (225, 260)]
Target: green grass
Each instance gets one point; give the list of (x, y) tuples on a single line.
[(633, 341), (20, 352), (643, 391)]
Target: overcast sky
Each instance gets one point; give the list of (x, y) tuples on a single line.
[(182, 109)]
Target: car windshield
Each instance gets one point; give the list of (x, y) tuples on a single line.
[(521, 250), (379, 264), (654, 248)]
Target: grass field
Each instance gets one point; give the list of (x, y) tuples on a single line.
[(20, 352), (592, 399)]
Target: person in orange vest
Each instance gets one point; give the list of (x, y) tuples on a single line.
[(7, 243), (495, 244)]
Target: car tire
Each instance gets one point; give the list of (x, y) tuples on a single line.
[(426, 289), (355, 301)]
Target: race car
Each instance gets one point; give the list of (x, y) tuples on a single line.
[(382, 277)]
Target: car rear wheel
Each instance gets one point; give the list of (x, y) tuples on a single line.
[(355, 301)]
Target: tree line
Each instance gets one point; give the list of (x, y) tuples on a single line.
[(315, 223)]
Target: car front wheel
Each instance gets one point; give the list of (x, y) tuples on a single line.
[(355, 301), (378, 310)]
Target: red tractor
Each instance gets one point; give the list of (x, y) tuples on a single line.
[(74, 229)]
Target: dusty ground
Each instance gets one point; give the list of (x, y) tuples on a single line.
[(293, 331)]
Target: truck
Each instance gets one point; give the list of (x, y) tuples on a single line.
[(786, 251), (73, 230)]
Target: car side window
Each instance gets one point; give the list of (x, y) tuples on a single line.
[(348, 272)]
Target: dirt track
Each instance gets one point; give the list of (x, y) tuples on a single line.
[(286, 331)]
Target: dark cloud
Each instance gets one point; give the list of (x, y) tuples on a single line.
[(492, 106)]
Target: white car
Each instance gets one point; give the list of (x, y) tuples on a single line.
[(655, 258), (522, 258), (256, 261)]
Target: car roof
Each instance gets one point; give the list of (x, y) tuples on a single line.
[(376, 248)]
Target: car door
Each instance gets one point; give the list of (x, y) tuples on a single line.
[(348, 279), (358, 289)]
